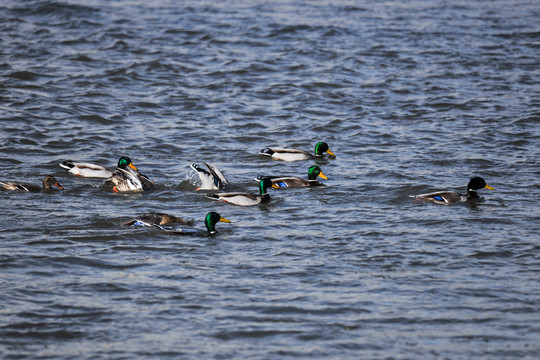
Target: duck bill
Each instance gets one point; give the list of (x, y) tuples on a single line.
[(222, 219), (330, 153), (133, 167), (322, 176), (489, 187), (60, 186)]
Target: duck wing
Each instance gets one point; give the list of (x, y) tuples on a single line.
[(211, 179), (147, 184), (441, 197), (126, 180), (286, 154), (238, 198), (153, 218), (8, 185), (217, 174), (87, 169), (290, 181)]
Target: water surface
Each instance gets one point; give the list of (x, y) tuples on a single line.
[(411, 96)]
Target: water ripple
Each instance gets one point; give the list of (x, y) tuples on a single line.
[(412, 97)]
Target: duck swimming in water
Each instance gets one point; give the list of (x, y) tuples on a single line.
[(211, 179), (451, 197), (153, 218), (94, 170), (210, 221), (48, 182), (292, 181), (246, 199), (296, 154)]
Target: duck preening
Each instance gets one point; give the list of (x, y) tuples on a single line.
[(130, 180), (126, 177)]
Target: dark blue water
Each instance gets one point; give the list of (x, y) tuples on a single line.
[(412, 96)]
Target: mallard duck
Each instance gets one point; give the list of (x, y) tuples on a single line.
[(245, 199), (297, 154), (451, 197), (153, 218), (130, 180), (211, 179), (48, 182), (210, 221), (93, 170), (292, 181)]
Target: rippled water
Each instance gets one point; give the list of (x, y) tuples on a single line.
[(412, 97)]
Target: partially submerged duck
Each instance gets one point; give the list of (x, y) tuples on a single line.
[(451, 197), (292, 181), (211, 179), (153, 218), (246, 199), (48, 182), (296, 154), (210, 221), (94, 170)]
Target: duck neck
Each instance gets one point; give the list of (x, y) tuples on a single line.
[(47, 184), (210, 227), (472, 194), (262, 188)]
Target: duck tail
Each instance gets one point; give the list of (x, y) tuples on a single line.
[(68, 165), (197, 168), (267, 152)]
